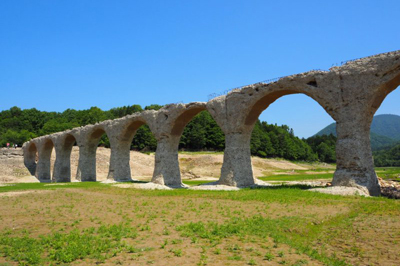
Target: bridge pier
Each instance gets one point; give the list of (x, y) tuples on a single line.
[(43, 164), (119, 160), (166, 169), (354, 161), (87, 162), (237, 169), (62, 165)]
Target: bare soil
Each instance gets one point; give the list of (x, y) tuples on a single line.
[(193, 166), (156, 218)]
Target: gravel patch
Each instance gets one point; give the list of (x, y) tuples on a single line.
[(344, 191), (150, 186), (212, 186), (6, 185)]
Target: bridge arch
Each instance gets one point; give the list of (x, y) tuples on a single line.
[(31, 157), (384, 90), (45, 150), (88, 143), (266, 100), (124, 133), (184, 118), (62, 165)]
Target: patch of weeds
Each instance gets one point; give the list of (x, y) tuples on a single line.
[(280, 230), (166, 232), (132, 249), (177, 252), (235, 257), (95, 243), (234, 248), (164, 244), (252, 262), (145, 228), (268, 256), (300, 263), (176, 241), (203, 259)]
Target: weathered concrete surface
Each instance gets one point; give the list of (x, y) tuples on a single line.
[(37, 155), (350, 94), (30, 159), (167, 125), (62, 165)]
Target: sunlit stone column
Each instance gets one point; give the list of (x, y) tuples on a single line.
[(166, 170)]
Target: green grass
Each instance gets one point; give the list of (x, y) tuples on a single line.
[(263, 227), (94, 243), (195, 182), (41, 186), (388, 172), (303, 233)]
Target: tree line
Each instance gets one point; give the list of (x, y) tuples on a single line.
[(202, 133), (387, 157)]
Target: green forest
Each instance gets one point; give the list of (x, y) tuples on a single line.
[(201, 134)]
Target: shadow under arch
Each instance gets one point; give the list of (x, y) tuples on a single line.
[(184, 118), (43, 170), (31, 158)]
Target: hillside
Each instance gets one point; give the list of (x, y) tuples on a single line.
[(385, 131)]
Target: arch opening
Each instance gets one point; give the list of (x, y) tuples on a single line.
[(274, 121), (138, 143), (385, 132), (385, 90), (263, 104), (98, 145), (199, 136), (31, 158), (67, 160), (46, 161)]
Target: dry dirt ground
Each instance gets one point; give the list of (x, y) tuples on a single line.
[(201, 166), (369, 238), (284, 226)]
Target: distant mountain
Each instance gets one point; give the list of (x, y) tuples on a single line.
[(379, 142), (331, 129), (385, 131), (386, 125)]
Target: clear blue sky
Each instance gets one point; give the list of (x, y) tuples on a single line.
[(56, 55)]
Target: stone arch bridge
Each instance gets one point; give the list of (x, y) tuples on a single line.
[(350, 94)]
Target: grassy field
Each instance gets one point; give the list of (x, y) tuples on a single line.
[(388, 173), (94, 223), (392, 173)]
